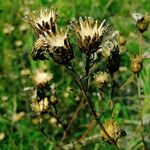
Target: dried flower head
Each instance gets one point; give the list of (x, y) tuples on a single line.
[(2, 136), (53, 121), (45, 22), (25, 72), (41, 106), (59, 47), (18, 43), (142, 21), (101, 79), (113, 129), (112, 54), (51, 41), (53, 100), (40, 78), (23, 27), (88, 34), (136, 64), (8, 28), (36, 121), (121, 40), (17, 116), (40, 49)]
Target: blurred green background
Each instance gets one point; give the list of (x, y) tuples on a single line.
[(16, 67)]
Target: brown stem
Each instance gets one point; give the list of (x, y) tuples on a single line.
[(91, 125), (112, 95), (140, 113), (87, 70), (84, 93), (139, 93), (140, 47)]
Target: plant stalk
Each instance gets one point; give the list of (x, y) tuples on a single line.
[(84, 93)]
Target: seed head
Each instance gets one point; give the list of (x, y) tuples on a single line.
[(40, 78), (101, 79), (136, 64), (41, 106), (88, 34), (59, 47), (121, 40), (8, 29), (17, 116), (45, 22), (142, 21), (113, 129), (40, 49), (2, 136)]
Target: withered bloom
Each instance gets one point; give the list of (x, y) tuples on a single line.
[(59, 47), (52, 41), (136, 64), (40, 49), (40, 78), (101, 79), (45, 22), (88, 34), (113, 130), (41, 106), (142, 21), (112, 55)]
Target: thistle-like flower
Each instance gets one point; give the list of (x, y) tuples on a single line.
[(45, 22), (40, 78), (142, 21), (52, 41), (59, 47), (40, 49), (101, 79), (89, 35)]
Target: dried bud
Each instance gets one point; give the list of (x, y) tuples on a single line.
[(18, 43), (8, 29), (111, 53), (101, 79), (89, 36), (142, 21), (136, 64), (40, 78), (45, 22), (23, 28), (41, 106), (2, 136), (25, 72), (113, 129), (53, 121), (121, 40), (53, 100), (17, 116), (36, 121)]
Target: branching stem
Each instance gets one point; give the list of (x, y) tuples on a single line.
[(84, 93)]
